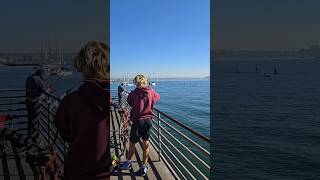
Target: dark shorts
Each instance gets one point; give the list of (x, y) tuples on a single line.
[(140, 129)]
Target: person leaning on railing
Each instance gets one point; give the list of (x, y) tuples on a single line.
[(121, 90), (142, 100), (36, 85), (82, 118)]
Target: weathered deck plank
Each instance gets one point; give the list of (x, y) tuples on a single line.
[(13, 165)]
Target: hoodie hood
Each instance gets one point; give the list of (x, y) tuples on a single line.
[(95, 93), (142, 100), (143, 91)]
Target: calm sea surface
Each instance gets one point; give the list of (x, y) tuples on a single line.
[(266, 127), (187, 101)]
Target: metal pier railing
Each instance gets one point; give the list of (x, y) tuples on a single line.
[(12, 102), (185, 150), (47, 128)]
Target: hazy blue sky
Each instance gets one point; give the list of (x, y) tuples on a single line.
[(24, 24), (163, 38), (265, 24)]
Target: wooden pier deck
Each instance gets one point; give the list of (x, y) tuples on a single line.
[(13, 165), (157, 169)]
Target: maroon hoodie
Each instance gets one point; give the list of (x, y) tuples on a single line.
[(83, 121), (142, 100)]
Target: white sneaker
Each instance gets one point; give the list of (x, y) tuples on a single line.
[(144, 170)]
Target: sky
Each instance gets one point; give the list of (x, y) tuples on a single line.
[(265, 24), (160, 38), (71, 23)]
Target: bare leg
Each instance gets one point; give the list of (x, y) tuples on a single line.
[(132, 149), (145, 152)]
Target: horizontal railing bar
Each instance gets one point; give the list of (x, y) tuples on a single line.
[(53, 132), (44, 124), (51, 113), (195, 156), (41, 125), (185, 148), (174, 168), (60, 149), (46, 133), (185, 158), (20, 123), (60, 156), (165, 146), (10, 110), (184, 126), (44, 136), (12, 103), (51, 137), (17, 116), (46, 108), (52, 96), (10, 90), (182, 165), (44, 114), (156, 144), (22, 129), (187, 138), (8, 97)]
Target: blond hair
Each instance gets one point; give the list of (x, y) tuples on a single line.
[(93, 61), (140, 80)]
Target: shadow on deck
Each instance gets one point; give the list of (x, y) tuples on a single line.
[(13, 164), (157, 169)]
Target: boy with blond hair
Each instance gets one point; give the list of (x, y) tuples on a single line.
[(142, 100)]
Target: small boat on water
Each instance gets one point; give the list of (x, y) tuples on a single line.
[(267, 75), (153, 84)]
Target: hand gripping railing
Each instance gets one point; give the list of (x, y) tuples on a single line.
[(183, 149)]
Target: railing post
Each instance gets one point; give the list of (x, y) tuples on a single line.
[(64, 149), (38, 118), (12, 123), (49, 122), (159, 136)]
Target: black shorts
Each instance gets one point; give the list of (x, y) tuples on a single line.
[(140, 129)]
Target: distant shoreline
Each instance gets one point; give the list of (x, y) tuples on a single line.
[(262, 58), (169, 79)]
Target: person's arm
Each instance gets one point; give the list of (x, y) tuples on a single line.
[(62, 122), (156, 96)]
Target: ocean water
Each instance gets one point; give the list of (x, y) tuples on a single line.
[(188, 101), (266, 127)]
